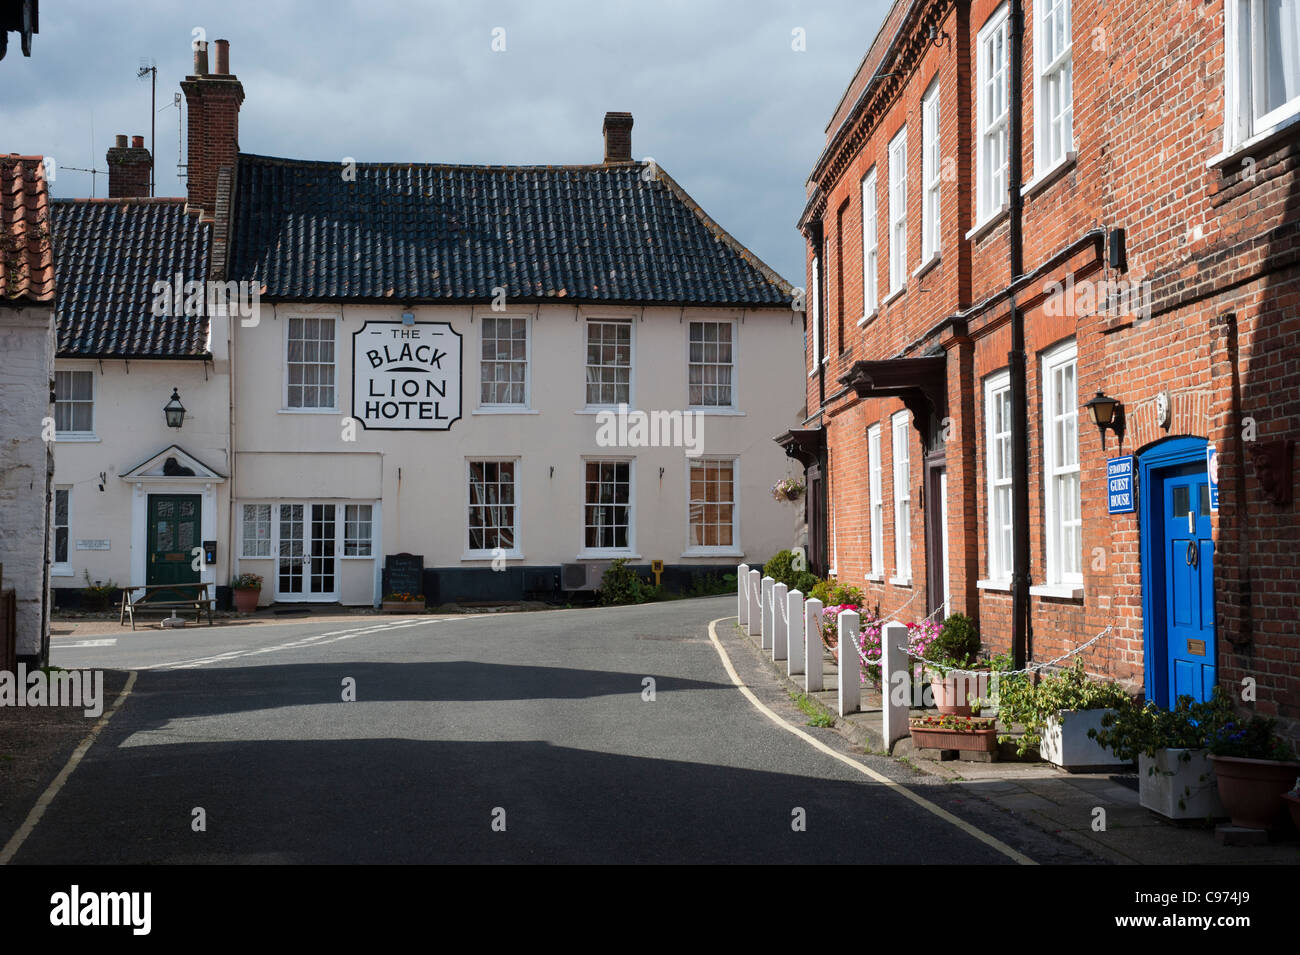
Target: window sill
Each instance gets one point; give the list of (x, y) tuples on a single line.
[(309, 411), (78, 437), (900, 581), (606, 555), (713, 552), (1059, 591), (611, 409), (1279, 130), (1050, 175), (721, 412), (62, 570), (985, 227), (1003, 585), (866, 320), (356, 556), (504, 410), (874, 578), (926, 266), (894, 294), (481, 555)]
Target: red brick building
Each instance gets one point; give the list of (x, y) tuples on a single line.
[(1132, 189)]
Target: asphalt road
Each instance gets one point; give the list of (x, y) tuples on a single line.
[(537, 721)]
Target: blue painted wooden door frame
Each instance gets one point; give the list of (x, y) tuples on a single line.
[(1155, 651)]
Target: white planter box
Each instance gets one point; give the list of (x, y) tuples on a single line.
[(1175, 780), (1066, 743)]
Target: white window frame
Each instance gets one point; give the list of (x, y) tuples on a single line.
[(897, 213), (734, 364), (815, 301), (368, 541), (284, 364), (585, 552), (61, 568), (875, 476), (990, 201), (1243, 37), (90, 435), (999, 556), (900, 424), (1054, 360), (631, 366), (244, 540), (489, 553), (1045, 73), (931, 178), (870, 247), (719, 550), (526, 404)]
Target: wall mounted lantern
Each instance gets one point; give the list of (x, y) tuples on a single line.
[(1107, 412), (174, 410)]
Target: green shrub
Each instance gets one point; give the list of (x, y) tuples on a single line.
[(783, 569), (832, 593), (957, 644), (620, 584), (1021, 701)]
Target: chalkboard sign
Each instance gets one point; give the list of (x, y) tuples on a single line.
[(405, 573)]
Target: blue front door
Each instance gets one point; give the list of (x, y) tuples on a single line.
[(1177, 572)]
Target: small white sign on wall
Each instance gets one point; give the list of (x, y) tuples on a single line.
[(94, 545), (406, 377)]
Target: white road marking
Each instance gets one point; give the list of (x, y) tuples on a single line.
[(11, 848), (109, 642), (962, 824), (319, 639)]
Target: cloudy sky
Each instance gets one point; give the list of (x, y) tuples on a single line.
[(720, 98)]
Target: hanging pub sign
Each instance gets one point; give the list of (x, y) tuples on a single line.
[(406, 377), (1119, 484)]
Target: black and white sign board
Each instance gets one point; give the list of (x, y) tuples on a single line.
[(406, 377)]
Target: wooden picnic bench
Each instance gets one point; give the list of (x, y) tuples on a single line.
[(166, 597)]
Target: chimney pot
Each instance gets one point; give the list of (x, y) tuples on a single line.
[(201, 58), (129, 168), (223, 58), (121, 141), (137, 142), (617, 130)]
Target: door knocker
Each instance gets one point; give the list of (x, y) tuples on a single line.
[(1193, 554)]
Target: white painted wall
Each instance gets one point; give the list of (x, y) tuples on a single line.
[(130, 429), (420, 476), (27, 344)]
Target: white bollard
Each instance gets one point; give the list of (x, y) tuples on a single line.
[(765, 628), (795, 630), (850, 672), (742, 595), (755, 612), (781, 627), (895, 682), (812, 643)]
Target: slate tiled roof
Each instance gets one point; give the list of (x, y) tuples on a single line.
[(26, 255), (108, 254), (444, 233)]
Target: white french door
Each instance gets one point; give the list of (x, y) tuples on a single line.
[(307, 565)]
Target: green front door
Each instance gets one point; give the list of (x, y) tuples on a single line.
[(174, 532)]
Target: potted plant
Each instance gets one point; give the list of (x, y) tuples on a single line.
[(247, 591), (950, 656), (949, 731), (1292, 800), (1057, 713), (402, 603), (1253, 768), (1175, 777), (788, 489)]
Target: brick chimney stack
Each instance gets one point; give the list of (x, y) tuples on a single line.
[(213, 101), (128, 169), (618, 137)]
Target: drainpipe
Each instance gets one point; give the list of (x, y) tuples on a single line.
[(1020, 624)]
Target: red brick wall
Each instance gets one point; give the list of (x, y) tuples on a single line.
[(1221, 249)]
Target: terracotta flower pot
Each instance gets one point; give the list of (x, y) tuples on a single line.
[(978, 741), (246, 600), (1251, 789), (946, 691)]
